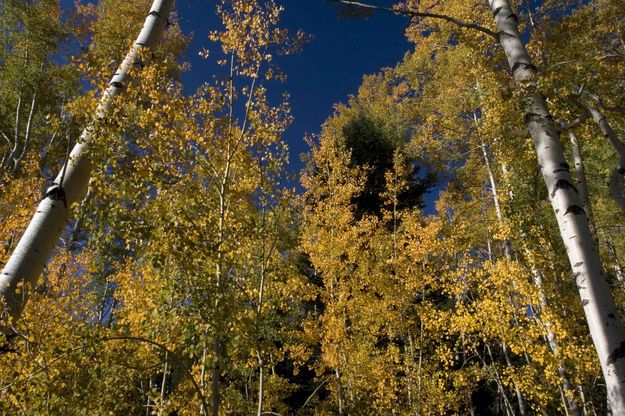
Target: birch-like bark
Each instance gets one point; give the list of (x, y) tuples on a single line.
[(497, 378), (12, 150), (77, 227), (16, 137), (582, 183), (507, 245), (203, 373), (259, 309), (261, 385), (164, 381), (584, 194), (217, 339), (339, 391), (604, 324), (36, 245)]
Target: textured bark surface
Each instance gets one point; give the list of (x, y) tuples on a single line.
[(34, 248), (604, 324), (582, 183)]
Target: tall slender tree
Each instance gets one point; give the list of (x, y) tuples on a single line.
[(35, 246)]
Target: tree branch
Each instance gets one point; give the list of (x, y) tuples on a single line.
[(571, 125), (422, 14)]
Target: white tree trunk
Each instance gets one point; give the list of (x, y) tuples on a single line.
[(605, 326), (507, 245), (261, 385), (36, 245), (582, 183)]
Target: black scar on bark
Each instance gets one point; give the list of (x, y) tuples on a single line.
[(564, 167), (117, 85), (57, 193), (563, 184), (504, 33), (497, 10), (139, 62), (617, 354), (575, 210), (579, 263), (530, 116), (585, 302), (552, 135)]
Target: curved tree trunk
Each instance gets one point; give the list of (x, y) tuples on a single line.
[(36, 245), (605, 326)]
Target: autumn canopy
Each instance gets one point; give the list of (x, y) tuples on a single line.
[(160, 256)]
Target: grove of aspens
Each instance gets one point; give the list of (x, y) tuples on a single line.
[(452, 241)]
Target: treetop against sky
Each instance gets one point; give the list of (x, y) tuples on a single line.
[(325, 72)]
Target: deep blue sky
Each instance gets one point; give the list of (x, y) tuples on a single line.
[(328, 69)]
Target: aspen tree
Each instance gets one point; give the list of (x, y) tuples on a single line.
[(32, 83), (604, 323), (35, 246)]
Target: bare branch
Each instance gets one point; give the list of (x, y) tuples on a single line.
[(572, 124), (397, 10), (7, 156), (6, 138)]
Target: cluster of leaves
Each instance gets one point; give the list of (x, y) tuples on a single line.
[(470, 310)]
